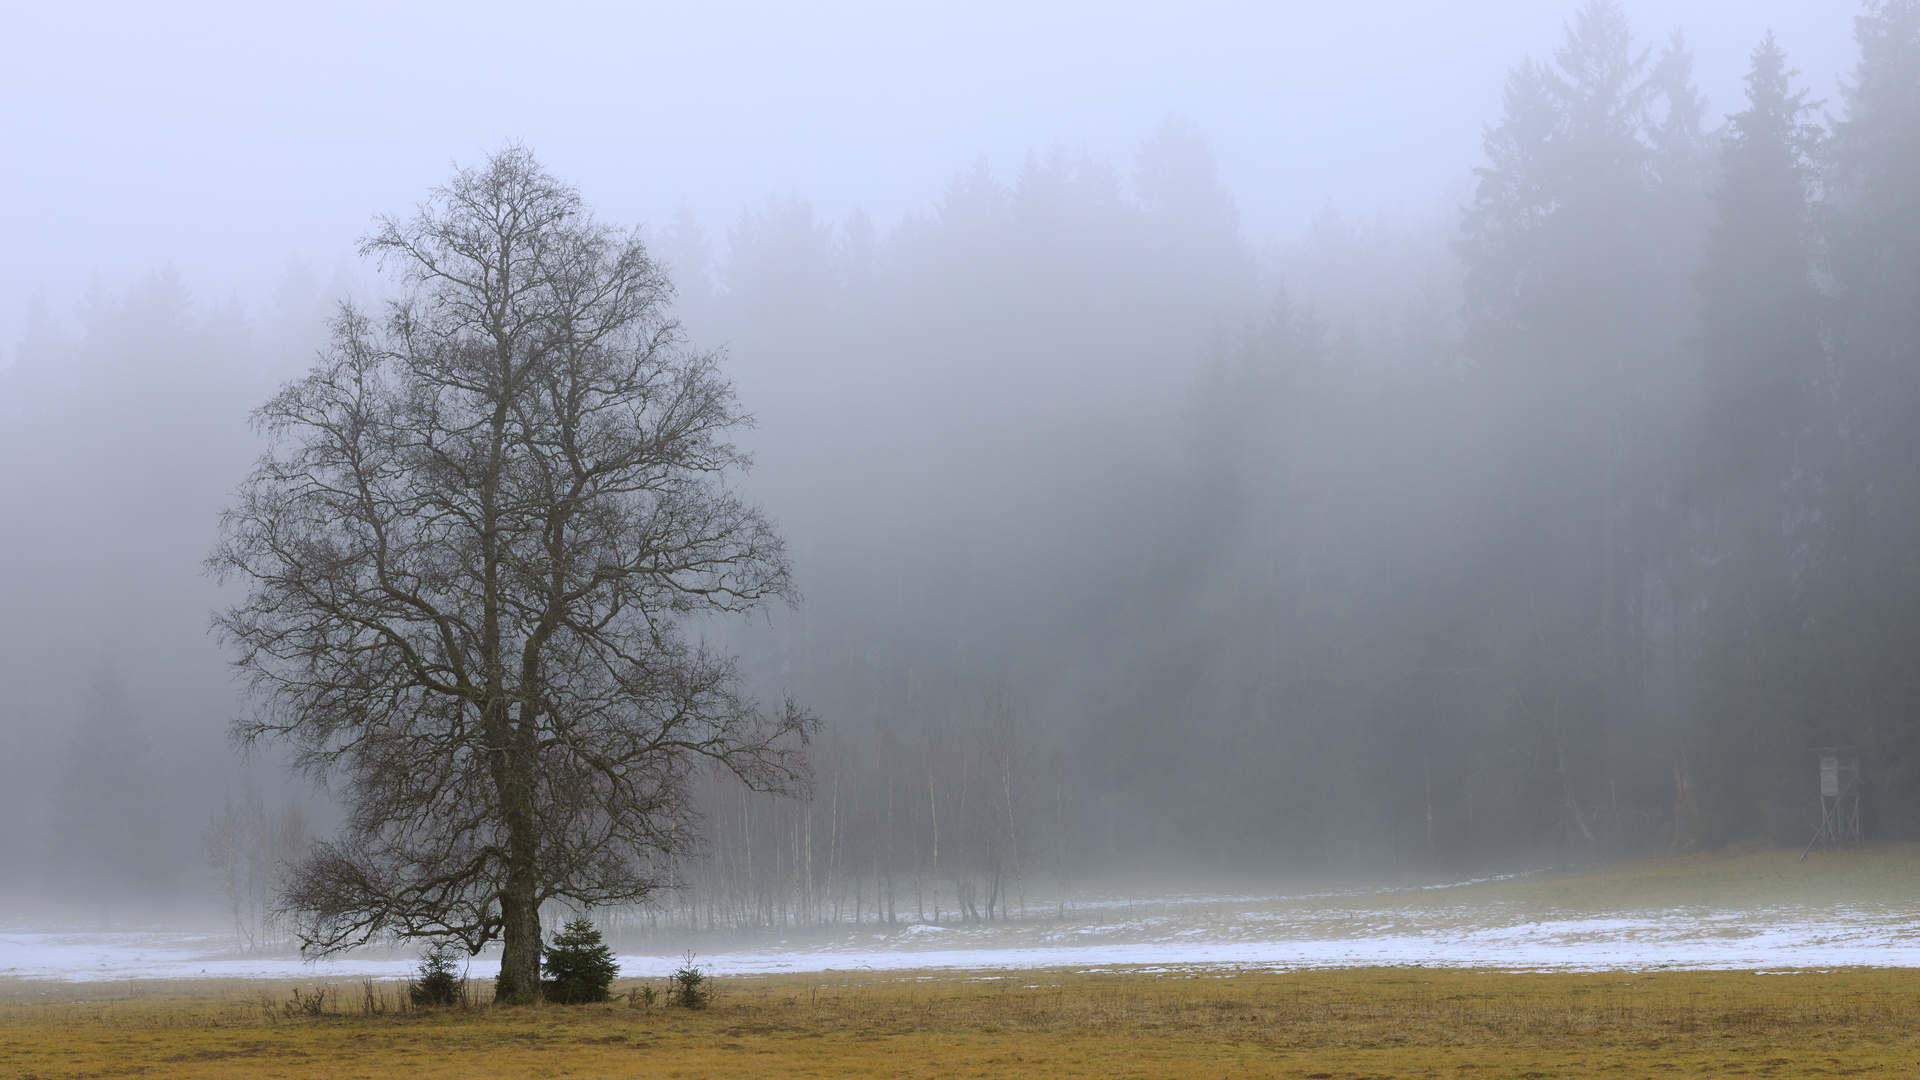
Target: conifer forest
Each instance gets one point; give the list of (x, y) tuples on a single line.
[(1563, 517)]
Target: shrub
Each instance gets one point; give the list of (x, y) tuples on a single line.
[(314, 1004), (578, 967), (439, 983), (688, 986)]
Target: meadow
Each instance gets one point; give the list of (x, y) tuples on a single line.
[(1107, 1020), (1347, 1023)]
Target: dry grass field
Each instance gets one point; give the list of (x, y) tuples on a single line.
[(1398, 1022)]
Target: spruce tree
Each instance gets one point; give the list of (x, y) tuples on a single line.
[(101, 801), (1761, 373), (578, 966), (1583, 230), (1865, 571)]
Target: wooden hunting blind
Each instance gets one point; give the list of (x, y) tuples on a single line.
[(1839, 797)]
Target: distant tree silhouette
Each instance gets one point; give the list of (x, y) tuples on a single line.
[(470, 556), (101, 801), (1761, 447)]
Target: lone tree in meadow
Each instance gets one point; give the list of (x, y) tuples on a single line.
[(471, 554)]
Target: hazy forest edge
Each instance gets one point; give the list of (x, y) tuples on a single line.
[(1566, 521)]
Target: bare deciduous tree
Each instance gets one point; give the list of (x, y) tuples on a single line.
[(471, 555), (248, 846)]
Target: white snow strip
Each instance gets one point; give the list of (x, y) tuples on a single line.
[(1768, 939), (1567, 945)]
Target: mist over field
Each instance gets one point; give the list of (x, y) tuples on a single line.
[(1412, 443)]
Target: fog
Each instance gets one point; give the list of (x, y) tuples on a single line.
[(224, 139), (1239, 443)]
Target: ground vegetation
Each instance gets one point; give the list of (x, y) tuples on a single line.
[(1311, 1025)]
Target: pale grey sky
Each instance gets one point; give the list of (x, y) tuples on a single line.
[(229, 138)]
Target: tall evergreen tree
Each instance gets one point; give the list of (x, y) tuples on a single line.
[(1762, 382), (102, 800), (1866, 599), (1583, 218)]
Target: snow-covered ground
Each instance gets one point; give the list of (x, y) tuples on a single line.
[(1469, 925)]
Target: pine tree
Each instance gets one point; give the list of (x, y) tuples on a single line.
[(1586, 218), (578, 966), (1761, 373), (1865, 592), (101, 803)]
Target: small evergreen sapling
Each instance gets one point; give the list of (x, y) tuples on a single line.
[(439, 984), (688, 986), (579, 968)]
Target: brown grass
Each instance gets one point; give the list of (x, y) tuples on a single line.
[(1350, 1023)]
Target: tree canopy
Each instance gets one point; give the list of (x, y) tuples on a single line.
[(473, 557)]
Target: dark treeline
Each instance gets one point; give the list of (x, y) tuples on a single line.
[(1566, 521), (120, 433), (1575, 534)]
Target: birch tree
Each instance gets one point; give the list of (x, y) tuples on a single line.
[(472, 555)]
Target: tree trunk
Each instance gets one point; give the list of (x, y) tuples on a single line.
[(519, 980)]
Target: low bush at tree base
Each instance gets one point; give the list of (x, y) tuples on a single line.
[(578, 966)]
